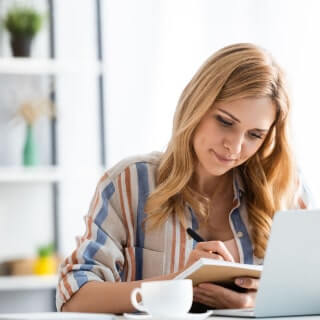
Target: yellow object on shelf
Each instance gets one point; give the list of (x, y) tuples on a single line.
[(45, 265)]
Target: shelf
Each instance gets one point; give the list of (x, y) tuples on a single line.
[(29, 174), (28, 282), (29, 66)]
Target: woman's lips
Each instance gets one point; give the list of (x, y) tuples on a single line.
[(223, 158)]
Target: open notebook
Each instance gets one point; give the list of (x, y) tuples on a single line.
[(218, 271)]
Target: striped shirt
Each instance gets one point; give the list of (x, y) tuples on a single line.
[(115, 246)]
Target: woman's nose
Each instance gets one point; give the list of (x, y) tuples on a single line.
[(234, 144)]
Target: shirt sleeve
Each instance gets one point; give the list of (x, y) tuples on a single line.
[(99, 255)]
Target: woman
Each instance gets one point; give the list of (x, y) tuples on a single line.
[(227, 169)]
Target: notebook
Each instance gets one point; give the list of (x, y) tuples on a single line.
[(218, 271), (290, 280)]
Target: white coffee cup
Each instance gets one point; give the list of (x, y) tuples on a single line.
[(164, 298)]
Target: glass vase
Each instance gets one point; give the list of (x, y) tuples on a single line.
[(30, 157)]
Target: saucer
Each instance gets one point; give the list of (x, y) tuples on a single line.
[(187, 316)]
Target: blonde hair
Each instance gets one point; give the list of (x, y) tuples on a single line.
[(234, 72)]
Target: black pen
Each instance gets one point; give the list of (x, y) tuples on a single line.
[(194, 235)]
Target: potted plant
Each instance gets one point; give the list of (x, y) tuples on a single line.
[(46, 262), (23, 23)]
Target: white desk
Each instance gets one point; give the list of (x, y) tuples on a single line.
[(57, 316), (84, 316)]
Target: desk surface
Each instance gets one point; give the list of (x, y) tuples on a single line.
[(84, 316)]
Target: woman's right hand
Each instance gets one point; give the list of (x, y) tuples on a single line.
[(209, 249)]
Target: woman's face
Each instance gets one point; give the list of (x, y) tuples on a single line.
[(232, 132)]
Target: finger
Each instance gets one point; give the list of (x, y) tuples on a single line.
[(226, 297), (205, 300), (207, 254), (247, 283), (217, 247), (202, 296), (229, 296)]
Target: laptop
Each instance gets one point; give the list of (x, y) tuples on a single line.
[(290, 280)]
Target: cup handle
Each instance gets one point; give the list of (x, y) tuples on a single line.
[(139, 306)]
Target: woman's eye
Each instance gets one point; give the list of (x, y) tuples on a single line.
[(255, 136), (224, 122)]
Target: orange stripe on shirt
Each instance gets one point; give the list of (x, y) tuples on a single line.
[(65, 279), (173, 246), (67, 268), (130, 247), (89, 227), (129, 194), (182, 247), (133, 263), (104, 177), (61, 292), (67, 286), (123, 211)]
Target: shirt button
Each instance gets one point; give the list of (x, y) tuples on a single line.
[(240, 234)]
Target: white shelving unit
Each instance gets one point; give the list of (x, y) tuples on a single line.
[(13, 283), (77, 82), (30, 174), (34, 66)]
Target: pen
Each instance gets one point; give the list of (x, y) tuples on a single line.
[(194, 235)]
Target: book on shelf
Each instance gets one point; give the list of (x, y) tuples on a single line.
[(218, 271)]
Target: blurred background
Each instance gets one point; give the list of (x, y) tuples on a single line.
[(89, 82)]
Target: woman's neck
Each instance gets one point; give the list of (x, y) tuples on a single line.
[(209, 185)]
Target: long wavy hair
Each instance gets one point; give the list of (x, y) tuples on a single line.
[(237, 71)]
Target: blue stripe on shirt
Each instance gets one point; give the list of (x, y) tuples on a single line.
[(245, 239), (103, 212), (143, 193), (101, 237), (195, 225), (80, 277)]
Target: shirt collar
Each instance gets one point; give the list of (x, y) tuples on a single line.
[(238, 186)]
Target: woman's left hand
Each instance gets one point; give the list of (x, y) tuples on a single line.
[(219, 297)]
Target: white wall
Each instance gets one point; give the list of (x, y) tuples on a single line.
[(153, 48), (78, 117)]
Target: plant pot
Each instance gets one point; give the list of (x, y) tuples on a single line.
[(21, 45), (30, 156)]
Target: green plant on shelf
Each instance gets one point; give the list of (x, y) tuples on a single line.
[(46, 262), (23, 23), (46, 250)]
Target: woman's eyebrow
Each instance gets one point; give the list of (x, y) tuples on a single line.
[(229, 114), (261, 130), (237, 120)]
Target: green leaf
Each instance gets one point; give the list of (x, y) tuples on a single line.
[(23, 21), (46, 251)]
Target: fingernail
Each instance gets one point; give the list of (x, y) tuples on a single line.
[(239, 282)]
